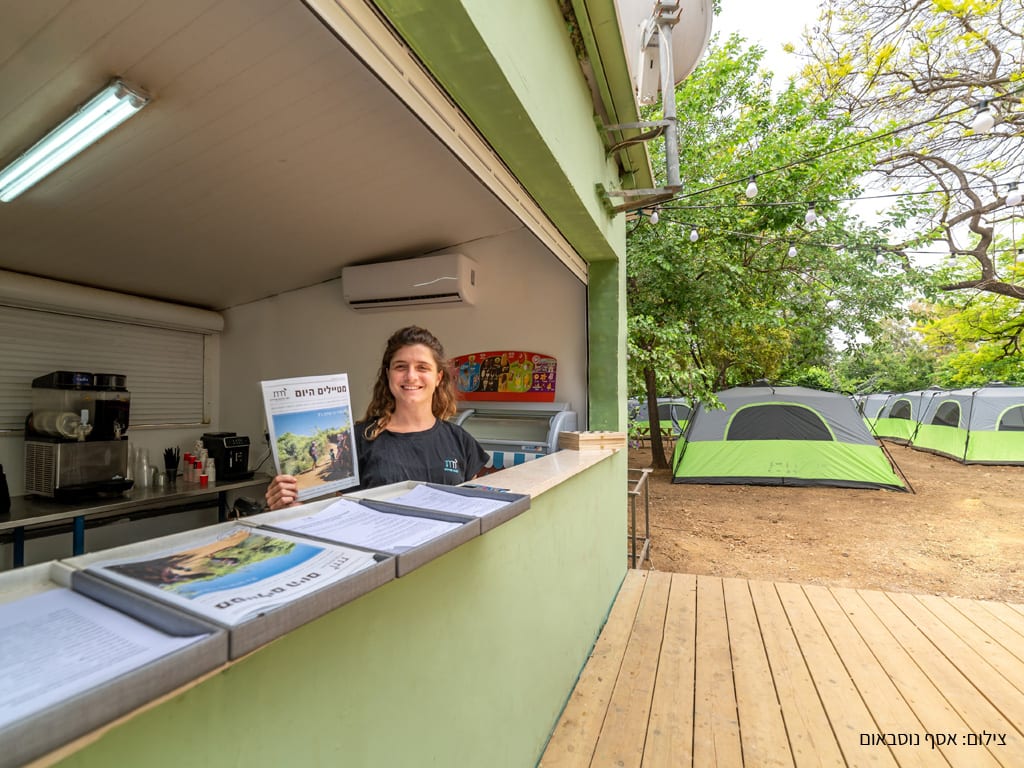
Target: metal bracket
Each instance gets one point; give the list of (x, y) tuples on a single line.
[(637, 198)]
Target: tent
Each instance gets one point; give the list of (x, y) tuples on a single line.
[(673, 414), (782, 436), (898, 418), (975, 426), (869, 406)]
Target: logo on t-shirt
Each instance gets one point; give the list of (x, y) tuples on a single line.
[(451, 465)]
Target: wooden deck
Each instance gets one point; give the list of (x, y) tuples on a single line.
[(704, 671)]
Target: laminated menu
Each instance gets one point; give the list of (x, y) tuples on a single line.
[(58, 644), (230, 576), (359, 525), (70, 663), (491, 506), (411, 537)]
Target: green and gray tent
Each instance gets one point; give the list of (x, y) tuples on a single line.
[(975, 426), (782, 436), (899, 416), (870, 406)]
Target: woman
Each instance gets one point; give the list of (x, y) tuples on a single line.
[(405, 434)]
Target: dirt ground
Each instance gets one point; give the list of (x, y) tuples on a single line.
[(961, 534)]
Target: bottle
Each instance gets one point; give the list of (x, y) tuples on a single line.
[(211, 470), (143, 473), (5, 492)]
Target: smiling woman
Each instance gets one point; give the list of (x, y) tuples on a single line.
[(406, 434)]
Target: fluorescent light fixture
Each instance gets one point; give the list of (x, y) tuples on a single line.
[(97, 117)]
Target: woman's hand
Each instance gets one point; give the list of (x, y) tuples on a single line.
[(282, 492)]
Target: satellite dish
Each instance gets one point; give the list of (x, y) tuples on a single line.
[(689, 39)]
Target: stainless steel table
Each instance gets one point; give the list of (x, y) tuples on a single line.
[(29, 512)]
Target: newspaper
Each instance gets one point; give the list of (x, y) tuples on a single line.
[(312, 432), (231, 576), (58, 644), (348, 522)]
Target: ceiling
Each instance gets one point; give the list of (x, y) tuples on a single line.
[(268, 159)]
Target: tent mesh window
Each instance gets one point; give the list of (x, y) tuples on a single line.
[(777, 422), (1012, 420), (900, 410), (947, 415)]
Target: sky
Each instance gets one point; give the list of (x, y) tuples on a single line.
[(771, 24)]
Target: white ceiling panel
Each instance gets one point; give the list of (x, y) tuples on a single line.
[(268, 159)]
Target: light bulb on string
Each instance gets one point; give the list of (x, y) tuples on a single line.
[(952, 257), (655, 218), (1013, 195), (810, 217), (694, 235), (792, 251), (984, 120), (751, 191)]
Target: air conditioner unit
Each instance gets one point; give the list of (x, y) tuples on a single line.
[(448, 278)]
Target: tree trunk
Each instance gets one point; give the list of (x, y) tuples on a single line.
[(658, 460)]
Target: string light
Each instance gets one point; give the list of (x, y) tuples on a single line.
[(792, 251), (655, 218), (810, 217), (983, 110), (984, 120), (694, 235), (1013, 195)]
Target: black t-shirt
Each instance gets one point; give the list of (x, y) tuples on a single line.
[(445, 454)]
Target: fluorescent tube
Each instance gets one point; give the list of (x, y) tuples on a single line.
[(100, 115)]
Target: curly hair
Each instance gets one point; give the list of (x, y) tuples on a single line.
[(382, 405)]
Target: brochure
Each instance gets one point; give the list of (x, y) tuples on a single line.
[(233, 575), (59, 644), (312, 432), (351, 523), (426, 497)]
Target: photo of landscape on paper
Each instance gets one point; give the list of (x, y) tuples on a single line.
[(244, 557), (239, 573)]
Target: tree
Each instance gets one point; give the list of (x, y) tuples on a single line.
[(760, 287), (896, 359), (978, 340), (922, 68)]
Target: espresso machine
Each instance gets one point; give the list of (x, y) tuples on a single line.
[(76, 437)]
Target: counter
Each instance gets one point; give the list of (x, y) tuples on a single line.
[(37, 513), (467, 660)]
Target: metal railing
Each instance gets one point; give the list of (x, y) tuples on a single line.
[(637, 479)]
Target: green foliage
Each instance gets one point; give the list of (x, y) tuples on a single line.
[(293, 450), (815, 377), (737, 305), (978, 337), (895, 360)]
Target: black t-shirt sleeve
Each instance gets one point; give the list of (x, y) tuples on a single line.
[(476, 457)]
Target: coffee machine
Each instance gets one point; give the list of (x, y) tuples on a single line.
[(76, 437), (230, 453)]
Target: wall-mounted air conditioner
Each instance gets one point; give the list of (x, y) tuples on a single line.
[(448, 278)]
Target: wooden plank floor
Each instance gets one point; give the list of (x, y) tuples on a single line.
[(704, 671)]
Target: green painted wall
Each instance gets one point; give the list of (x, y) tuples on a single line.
[(467, 661), (606, 309), (512, 69)]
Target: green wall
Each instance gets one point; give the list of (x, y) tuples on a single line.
[(513, 70), (466, 661)]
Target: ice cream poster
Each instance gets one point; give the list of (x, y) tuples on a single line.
[(505, 376)]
